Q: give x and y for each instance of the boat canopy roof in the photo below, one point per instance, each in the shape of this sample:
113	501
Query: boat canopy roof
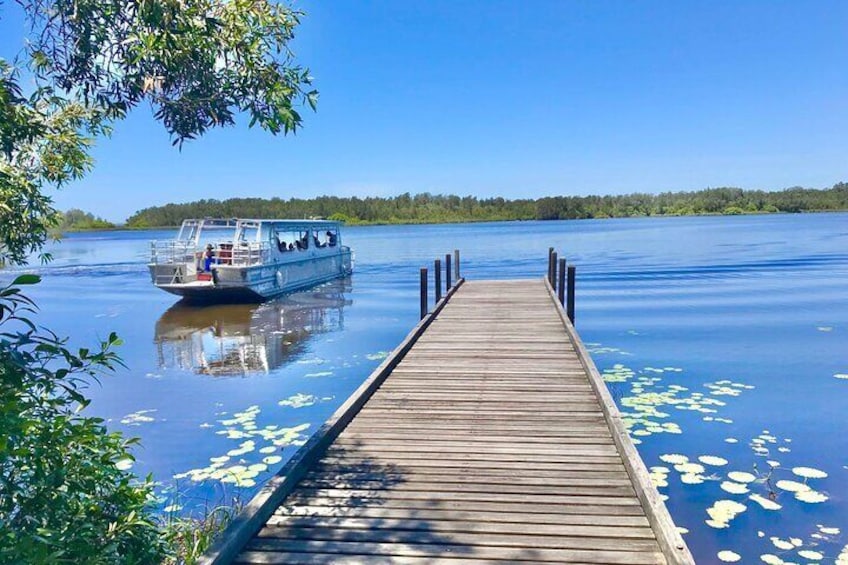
250	228
254	222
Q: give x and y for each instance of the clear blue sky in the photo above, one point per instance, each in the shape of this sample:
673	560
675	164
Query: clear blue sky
518	99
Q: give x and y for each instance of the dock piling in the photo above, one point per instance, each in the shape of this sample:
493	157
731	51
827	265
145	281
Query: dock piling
569	309
437	275
447	272
561	283
456	262
554	270
551	265
423	292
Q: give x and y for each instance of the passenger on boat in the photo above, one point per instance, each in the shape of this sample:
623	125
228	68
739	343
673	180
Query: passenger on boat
331	239
209	257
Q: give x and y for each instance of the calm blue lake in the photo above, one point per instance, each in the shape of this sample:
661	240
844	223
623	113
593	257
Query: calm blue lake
722	338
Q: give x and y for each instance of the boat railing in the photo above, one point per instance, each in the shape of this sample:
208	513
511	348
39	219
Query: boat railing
172	252
253	253
242	254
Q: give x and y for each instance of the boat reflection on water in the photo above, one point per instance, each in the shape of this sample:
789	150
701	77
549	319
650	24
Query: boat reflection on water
241	339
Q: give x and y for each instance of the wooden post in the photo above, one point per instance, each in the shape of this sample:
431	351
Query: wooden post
437	274
447	272
456	262
550	263
423	292
561	282
570	306
554	271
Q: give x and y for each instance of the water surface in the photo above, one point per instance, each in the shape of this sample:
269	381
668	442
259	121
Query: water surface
719	336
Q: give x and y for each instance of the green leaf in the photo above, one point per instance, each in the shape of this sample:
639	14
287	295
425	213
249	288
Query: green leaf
26	279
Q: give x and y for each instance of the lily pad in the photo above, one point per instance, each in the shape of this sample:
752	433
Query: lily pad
809	473
741	477
733	488
791	486
728	556
712	460
811	496
766	503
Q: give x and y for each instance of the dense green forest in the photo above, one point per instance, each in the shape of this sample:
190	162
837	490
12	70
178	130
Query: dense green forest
430	208
77	220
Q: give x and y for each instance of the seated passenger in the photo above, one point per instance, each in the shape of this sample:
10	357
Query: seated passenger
331	239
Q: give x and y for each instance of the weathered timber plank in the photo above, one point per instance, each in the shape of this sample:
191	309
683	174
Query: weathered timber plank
561	478
377	495
297	500
526	519
612	539
439	550
501	487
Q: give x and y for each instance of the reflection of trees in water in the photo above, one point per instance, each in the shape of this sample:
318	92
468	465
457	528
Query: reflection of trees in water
239	339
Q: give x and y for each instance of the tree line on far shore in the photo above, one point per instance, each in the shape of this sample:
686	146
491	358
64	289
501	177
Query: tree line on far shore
440	208
76	220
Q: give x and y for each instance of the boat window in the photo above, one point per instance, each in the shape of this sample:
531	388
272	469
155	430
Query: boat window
331	238
187	232
248	234
302	242
214	235
284	240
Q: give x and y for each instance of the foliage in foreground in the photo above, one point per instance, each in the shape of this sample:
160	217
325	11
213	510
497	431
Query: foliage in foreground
430	208
65	496
197	63
188	537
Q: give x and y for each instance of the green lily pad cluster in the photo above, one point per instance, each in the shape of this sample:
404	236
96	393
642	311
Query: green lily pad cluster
645	407
692	473
809	550
618	374
377	356
235	467
299	400
598	349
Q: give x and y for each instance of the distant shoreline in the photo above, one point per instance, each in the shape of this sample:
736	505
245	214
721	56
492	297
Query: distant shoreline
480	221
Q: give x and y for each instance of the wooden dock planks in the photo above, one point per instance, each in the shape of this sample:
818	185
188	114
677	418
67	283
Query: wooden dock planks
488	441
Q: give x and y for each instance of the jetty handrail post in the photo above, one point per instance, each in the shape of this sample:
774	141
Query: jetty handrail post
447	272
456	262
437	274
561	282
554	271
423	292
551	265
569	309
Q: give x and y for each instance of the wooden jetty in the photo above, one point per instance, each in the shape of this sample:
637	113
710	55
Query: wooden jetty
488	436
